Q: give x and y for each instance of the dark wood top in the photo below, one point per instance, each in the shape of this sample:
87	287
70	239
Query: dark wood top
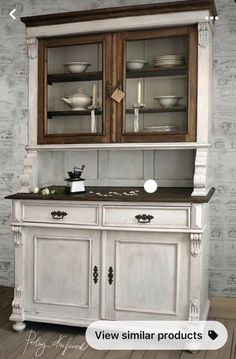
120	194
121	11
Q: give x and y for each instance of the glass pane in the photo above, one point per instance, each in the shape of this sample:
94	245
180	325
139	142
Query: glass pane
156	85
75	89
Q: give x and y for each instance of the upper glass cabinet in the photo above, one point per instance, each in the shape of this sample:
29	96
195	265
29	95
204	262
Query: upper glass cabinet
72	106
156	70
160	81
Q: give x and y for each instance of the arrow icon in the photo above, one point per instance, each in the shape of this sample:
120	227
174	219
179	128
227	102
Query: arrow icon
11	14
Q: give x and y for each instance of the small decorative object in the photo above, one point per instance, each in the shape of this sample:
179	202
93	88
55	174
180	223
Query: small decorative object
75	184
78	101
137	107
77	67
150	186
168	101
118	95
93	108
135	64
45	192
36	190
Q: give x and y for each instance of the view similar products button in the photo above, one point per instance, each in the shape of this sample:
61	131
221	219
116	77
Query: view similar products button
156	335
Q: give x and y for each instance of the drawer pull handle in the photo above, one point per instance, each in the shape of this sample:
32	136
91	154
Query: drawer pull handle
144	218
95	274
110	275
58	214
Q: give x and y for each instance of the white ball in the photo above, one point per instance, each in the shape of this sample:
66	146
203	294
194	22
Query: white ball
36	190
150	186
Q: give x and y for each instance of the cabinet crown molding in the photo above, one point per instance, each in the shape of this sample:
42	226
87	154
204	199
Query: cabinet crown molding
121	11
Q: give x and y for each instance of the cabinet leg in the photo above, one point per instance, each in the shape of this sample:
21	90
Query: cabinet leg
18	326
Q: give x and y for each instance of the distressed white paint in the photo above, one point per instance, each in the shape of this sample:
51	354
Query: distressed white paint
14	119
60	255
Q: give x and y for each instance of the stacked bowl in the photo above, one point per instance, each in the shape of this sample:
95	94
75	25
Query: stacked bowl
168	61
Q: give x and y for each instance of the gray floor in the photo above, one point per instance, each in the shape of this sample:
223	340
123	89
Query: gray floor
17	346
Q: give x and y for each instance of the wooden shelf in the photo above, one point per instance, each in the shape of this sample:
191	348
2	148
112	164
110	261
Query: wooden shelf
69	77
71	113
94	76
157	72
158	110
128	111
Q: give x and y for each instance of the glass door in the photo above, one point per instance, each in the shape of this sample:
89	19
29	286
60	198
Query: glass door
72	74
159	79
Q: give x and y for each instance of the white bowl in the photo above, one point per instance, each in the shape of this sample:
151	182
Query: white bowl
77	67
135	64
168	101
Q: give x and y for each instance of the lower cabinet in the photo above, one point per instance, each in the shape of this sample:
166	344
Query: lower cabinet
61	273
147	275
75	274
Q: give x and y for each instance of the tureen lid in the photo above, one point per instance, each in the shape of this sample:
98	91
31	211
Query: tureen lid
80	94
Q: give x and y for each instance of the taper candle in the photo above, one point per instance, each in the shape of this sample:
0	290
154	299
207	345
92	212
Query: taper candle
139	92
94	95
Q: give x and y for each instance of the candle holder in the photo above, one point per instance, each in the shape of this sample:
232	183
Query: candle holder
137	107
92	108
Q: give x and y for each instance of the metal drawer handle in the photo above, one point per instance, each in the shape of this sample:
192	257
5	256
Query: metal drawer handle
144	218
110	275
58	214
95	274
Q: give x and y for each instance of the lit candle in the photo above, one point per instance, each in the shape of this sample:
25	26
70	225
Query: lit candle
139	92
94	95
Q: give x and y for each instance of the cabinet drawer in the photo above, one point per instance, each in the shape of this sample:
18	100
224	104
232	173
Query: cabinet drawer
61	213
136	216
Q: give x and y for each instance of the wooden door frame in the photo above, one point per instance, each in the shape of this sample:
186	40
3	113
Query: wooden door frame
180	31
43	45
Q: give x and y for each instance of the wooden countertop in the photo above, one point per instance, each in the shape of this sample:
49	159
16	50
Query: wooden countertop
120	194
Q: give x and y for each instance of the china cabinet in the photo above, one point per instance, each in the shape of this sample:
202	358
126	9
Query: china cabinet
63	122
126	92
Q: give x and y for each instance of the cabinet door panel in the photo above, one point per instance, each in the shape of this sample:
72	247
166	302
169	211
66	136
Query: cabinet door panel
62	271
73	73
139	276
159	76
149	271
59	272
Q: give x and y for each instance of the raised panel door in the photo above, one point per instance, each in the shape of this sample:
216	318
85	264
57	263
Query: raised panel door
147	276
60	272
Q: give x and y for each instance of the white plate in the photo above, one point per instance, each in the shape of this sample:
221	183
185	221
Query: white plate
169	57
161	129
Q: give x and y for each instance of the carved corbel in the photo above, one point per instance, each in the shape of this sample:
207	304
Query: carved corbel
18	298
194	310
203	40
26	178
32	44
200	174
17	235
196	239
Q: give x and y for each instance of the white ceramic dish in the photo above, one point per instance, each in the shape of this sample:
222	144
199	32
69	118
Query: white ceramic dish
169	60
77	67
78	101
135	64
168	101
169	57
161	129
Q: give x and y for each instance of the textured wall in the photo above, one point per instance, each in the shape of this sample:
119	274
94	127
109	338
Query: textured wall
13	129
